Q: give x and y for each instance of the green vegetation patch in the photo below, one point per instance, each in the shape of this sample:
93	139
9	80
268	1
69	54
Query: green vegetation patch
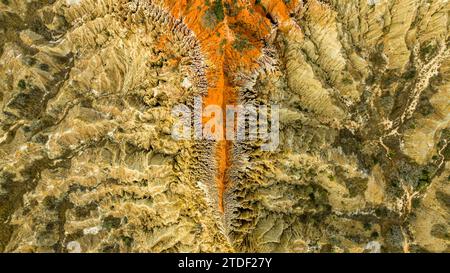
214	15
111	222
242	43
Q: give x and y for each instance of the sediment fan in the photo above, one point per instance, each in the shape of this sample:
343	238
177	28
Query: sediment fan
88	162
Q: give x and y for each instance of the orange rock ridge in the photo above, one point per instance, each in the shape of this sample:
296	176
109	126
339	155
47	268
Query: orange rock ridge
231	35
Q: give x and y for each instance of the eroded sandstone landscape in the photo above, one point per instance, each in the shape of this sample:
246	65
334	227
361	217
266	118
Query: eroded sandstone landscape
88	162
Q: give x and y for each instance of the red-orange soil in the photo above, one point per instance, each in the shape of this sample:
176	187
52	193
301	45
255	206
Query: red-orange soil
231	34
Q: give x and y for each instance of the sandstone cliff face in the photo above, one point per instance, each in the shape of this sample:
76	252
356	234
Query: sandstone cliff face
88	163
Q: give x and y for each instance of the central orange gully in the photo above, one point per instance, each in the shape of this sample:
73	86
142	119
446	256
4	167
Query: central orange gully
231	34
